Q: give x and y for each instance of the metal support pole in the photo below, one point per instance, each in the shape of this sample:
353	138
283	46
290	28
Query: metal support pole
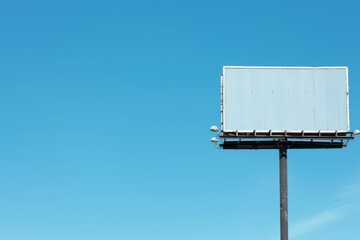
283	193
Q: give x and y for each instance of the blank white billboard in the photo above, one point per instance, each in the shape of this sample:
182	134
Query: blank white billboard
285	99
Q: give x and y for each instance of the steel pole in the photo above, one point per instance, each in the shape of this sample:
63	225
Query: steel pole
283	193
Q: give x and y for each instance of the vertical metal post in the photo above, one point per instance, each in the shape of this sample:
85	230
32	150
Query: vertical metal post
283	193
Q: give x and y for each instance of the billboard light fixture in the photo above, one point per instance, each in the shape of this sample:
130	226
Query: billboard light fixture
214	129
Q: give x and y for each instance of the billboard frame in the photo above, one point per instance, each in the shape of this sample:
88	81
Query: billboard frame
282	133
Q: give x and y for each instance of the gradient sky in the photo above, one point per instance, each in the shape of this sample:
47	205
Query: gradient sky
105	114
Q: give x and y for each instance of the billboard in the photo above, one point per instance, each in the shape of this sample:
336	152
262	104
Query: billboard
285	99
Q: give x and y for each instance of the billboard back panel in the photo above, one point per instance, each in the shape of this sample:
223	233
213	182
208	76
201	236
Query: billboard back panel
285	99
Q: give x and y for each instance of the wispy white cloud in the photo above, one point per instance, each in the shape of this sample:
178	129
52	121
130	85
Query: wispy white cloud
345	201
348	196
315	222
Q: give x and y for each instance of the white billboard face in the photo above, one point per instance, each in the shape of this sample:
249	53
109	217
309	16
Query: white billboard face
285	99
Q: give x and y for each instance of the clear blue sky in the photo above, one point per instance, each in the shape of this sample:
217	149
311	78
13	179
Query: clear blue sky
105	114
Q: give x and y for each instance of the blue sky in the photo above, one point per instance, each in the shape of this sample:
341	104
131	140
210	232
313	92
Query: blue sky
105	114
